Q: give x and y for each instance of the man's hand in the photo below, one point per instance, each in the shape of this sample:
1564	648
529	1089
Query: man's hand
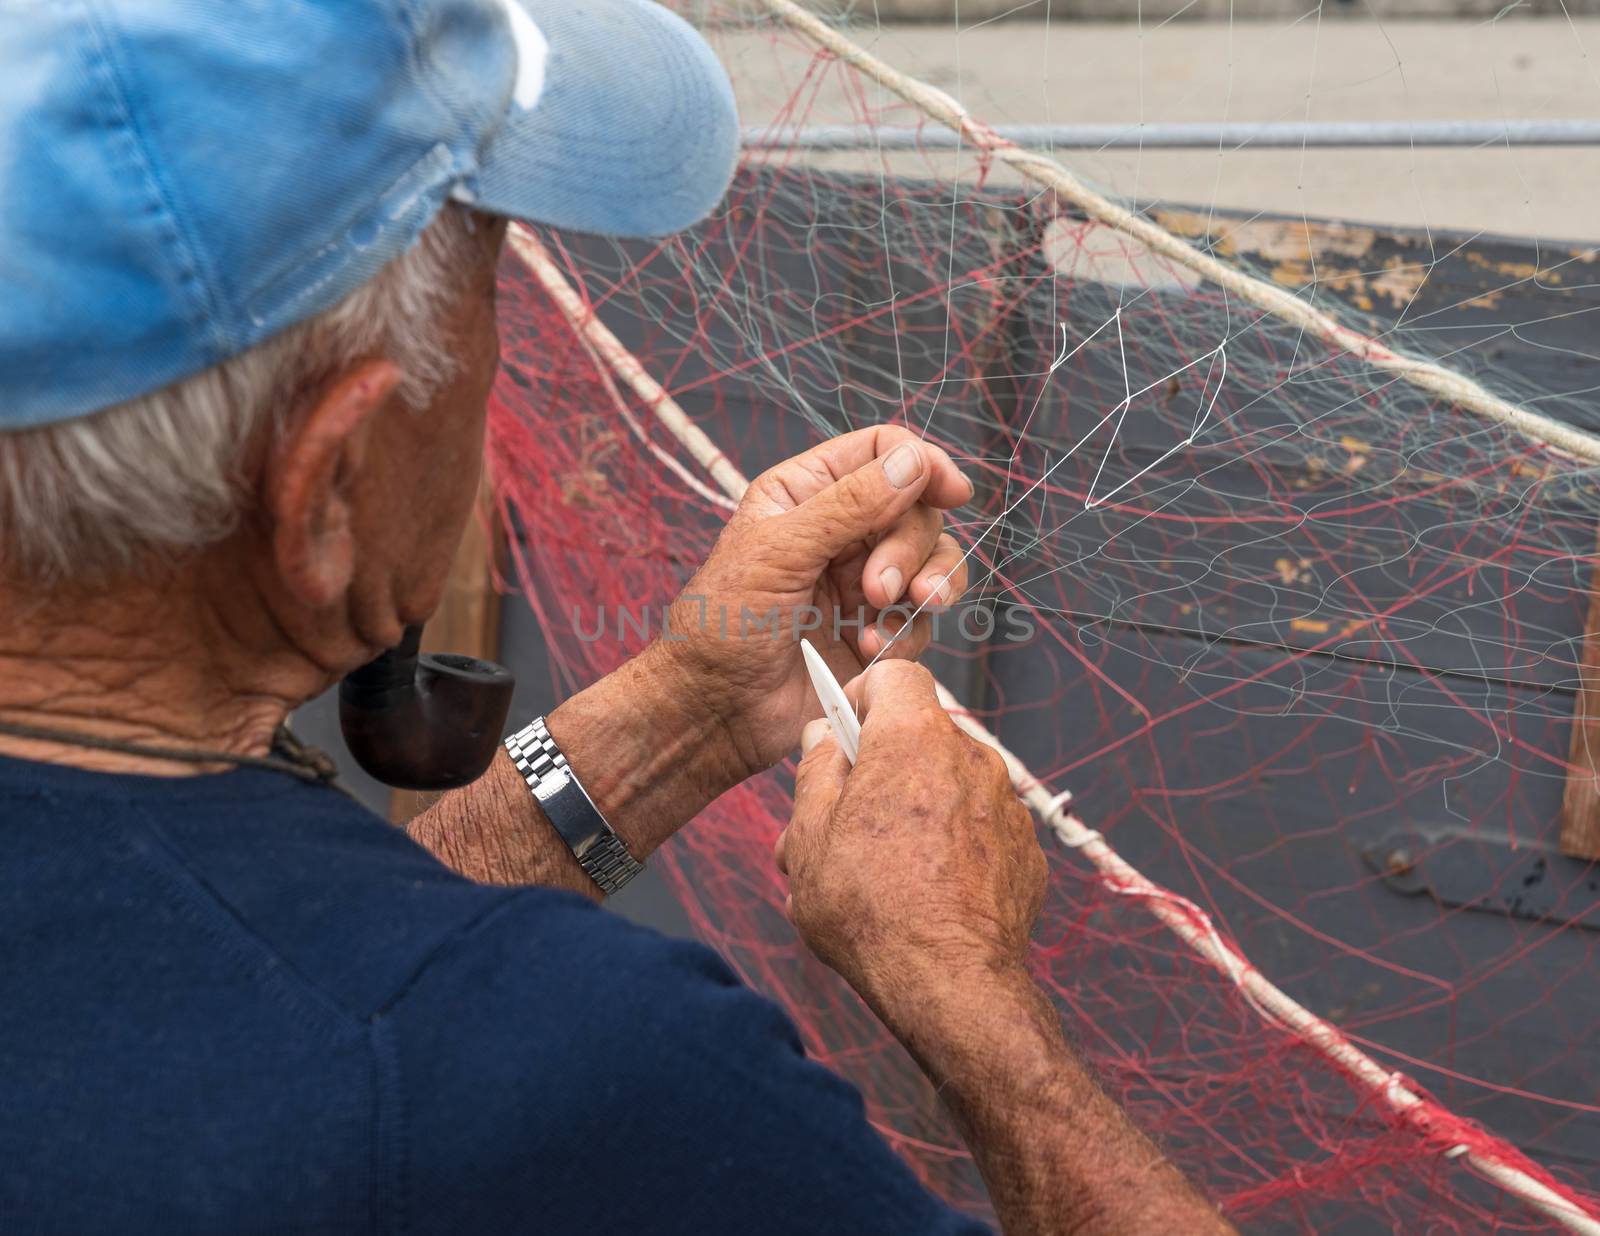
920	862
838	534
917	876
853	524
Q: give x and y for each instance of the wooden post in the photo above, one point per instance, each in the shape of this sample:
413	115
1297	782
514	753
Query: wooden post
468	619
1580	806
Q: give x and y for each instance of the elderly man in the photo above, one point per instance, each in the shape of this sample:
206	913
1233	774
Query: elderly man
247	331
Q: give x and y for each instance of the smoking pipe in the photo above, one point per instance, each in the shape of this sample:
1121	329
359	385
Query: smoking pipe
424	722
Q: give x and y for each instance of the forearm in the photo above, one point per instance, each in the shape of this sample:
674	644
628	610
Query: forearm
493	832
644	751
1057	1154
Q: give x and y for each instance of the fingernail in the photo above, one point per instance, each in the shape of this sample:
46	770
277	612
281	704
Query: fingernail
972	487
938	589
814	733
892	582
903	465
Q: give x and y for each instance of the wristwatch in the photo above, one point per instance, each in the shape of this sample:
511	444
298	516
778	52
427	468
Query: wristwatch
567	805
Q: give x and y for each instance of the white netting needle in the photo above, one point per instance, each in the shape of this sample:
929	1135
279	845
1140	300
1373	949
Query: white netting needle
835	706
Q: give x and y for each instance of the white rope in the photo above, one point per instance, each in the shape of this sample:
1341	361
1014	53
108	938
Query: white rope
1448	385
1181	916
610	357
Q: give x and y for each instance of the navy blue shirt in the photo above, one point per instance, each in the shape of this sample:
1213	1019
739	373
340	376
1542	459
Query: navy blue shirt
241	1004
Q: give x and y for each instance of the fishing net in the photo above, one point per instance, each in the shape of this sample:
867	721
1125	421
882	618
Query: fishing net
1301	637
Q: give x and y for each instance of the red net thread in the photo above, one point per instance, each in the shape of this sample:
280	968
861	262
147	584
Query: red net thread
1341	610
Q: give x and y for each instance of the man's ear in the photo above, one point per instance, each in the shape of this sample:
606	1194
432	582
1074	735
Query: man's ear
309	477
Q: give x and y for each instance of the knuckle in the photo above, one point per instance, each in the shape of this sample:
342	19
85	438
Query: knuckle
988	763
1038	882
857	502
798	850
814	760
770	489
901	674
927	522
797	833
823	905
1040	867
802	908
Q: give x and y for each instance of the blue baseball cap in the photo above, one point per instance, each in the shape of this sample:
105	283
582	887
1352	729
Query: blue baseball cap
182	179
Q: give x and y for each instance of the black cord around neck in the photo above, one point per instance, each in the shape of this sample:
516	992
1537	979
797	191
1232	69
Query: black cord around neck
289	754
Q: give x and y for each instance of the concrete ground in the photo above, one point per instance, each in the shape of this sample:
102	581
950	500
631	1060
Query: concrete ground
1349	70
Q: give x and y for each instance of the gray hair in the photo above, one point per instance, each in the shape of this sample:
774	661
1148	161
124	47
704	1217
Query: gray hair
166	472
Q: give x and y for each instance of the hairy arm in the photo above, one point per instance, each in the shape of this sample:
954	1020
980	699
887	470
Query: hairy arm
1057	1155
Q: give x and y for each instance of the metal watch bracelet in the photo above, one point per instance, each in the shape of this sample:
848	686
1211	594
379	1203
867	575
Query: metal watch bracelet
568	807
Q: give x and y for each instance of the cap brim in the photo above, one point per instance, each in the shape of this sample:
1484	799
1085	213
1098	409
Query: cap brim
634	132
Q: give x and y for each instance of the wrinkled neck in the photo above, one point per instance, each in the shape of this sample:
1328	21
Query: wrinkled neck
163	659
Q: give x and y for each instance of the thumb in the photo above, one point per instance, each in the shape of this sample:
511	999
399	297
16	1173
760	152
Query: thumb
867	500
